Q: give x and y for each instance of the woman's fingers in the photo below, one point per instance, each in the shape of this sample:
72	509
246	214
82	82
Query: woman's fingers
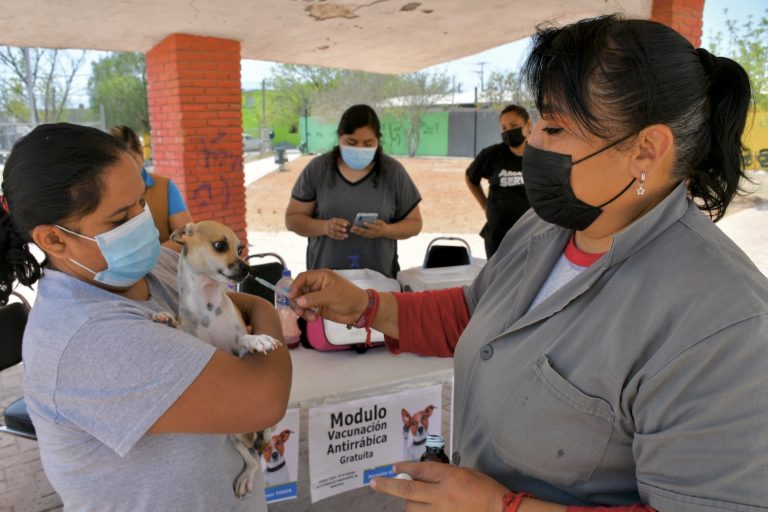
337	228
411	490
370	229
431	472
328	295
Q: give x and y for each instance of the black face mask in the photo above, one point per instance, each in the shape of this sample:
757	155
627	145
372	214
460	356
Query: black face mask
513	137
547	180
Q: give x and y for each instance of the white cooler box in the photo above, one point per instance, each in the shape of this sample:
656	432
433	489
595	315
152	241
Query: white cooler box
420	278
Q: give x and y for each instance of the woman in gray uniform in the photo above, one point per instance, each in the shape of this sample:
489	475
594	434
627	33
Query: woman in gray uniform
613	353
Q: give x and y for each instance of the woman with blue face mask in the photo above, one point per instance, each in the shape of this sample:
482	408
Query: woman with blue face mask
355	177
169	211
612	354
130	414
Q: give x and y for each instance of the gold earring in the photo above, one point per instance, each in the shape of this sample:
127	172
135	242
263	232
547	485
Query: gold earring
641	188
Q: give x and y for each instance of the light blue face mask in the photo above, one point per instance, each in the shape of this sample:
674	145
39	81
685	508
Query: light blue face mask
130	250
357	158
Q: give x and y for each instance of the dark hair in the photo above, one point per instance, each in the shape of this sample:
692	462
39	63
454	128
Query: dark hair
130	139
52	174
617	76
358	116
518	110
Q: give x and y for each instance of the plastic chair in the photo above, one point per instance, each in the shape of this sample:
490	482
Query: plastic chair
13	320
447	255
270	272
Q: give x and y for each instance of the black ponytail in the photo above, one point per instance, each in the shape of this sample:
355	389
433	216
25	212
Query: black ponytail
52	174
715	178
16	260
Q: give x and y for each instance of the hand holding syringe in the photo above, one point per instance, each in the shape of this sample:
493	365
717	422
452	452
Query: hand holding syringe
280	291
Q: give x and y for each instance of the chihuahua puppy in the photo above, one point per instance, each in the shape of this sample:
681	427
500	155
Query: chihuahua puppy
210	259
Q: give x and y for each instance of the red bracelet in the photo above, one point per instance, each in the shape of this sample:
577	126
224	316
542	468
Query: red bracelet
513	499
366	318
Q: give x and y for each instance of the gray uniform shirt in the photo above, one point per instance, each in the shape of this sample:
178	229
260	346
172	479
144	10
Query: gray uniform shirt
643	378
393	198
98	374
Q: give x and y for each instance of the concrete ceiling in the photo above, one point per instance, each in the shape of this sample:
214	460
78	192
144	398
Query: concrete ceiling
385	36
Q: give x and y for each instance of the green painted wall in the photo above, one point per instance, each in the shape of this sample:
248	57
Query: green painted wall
433	140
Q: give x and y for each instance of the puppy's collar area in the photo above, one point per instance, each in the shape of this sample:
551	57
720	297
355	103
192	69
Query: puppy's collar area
276	468
419	443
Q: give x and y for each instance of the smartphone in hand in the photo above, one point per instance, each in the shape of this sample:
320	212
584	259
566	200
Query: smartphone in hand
362	217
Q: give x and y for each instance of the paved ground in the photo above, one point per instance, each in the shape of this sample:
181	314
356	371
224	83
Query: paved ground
447	208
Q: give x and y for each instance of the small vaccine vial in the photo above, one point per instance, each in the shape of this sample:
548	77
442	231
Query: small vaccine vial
403	476
435	451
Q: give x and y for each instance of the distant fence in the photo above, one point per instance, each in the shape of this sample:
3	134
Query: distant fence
465	132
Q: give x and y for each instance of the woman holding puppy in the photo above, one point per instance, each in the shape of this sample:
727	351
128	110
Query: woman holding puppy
355	177
130	414
612	354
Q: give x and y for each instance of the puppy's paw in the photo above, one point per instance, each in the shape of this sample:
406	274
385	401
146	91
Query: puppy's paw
166	318
257	343
243	484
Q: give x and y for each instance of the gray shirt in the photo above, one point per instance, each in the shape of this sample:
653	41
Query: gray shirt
643	378
388	192
98	374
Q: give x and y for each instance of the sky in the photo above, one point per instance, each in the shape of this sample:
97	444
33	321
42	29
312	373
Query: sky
467	70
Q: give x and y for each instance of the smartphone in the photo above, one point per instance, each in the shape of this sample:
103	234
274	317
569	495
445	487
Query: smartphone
364	217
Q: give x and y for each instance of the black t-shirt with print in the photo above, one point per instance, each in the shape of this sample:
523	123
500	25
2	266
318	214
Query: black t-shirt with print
507	200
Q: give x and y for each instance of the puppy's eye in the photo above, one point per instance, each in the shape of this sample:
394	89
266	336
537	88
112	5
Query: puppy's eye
240	250
221	246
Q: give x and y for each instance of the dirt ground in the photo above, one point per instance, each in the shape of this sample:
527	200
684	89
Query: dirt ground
446	206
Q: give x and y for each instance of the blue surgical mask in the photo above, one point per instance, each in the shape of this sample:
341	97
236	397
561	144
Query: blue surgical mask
357	158
130	250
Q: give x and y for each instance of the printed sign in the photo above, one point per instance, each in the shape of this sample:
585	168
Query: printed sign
280	461
352	442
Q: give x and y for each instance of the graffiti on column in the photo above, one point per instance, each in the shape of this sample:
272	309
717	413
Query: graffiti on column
217	162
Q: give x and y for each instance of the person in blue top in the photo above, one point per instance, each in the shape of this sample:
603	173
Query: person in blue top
163	197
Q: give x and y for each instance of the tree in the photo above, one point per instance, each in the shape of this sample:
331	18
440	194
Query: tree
118	82
747	44
298	85
36	82
412	95
504	88
332	91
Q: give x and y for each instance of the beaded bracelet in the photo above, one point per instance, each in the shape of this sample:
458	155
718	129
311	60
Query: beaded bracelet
366	318
513	499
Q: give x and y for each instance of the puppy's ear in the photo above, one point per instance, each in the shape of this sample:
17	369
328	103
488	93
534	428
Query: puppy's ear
285	434
179	236
428	410
406	417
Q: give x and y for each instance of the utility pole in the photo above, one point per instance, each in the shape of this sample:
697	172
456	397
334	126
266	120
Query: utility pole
30	89
474	140
263	123
482	68
305	105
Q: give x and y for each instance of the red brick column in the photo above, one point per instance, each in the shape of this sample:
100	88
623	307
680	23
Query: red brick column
685	16
196	119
